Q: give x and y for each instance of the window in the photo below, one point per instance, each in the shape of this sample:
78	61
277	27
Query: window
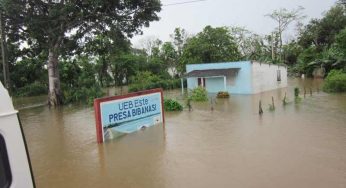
5	171
201	82
278	75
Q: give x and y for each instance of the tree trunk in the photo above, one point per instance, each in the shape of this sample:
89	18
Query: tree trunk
280	55
54	94
4	52
273	54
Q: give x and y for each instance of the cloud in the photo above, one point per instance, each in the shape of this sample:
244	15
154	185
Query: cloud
193	17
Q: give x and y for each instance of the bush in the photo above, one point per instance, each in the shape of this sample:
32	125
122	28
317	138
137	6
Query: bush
82	94
222	94
147	80
296	92
199	94
172	105
33	89
335	81
134	87
78	82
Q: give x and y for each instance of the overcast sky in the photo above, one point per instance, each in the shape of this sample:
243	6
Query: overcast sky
193	17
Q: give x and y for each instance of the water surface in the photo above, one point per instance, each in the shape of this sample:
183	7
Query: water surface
297	145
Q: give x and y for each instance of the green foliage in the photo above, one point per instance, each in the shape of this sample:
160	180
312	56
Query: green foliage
292	51
172	105
48	24
188	103
338	51
65	16
296	92
320	43
284	18
335	81
124	66
83	94
321	32
111	51
307	56
251	46
33	89
169	54
297	99
142	81
210	45
340	41
179	39
147	80
222	94
199	94
79	83
27	71
271	107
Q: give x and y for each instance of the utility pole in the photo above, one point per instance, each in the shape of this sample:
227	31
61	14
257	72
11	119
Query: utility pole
273	55
3	55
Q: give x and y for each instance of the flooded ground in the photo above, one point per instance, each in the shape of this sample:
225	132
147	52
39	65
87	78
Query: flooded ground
299	145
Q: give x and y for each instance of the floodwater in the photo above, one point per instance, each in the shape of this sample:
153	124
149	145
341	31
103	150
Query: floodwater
297	145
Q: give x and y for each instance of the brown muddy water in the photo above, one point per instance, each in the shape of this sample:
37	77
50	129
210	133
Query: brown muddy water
299	145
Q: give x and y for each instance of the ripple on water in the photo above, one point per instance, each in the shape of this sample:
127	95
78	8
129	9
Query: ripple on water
299	145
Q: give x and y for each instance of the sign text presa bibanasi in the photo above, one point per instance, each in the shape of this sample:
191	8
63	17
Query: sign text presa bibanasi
128	113
129	109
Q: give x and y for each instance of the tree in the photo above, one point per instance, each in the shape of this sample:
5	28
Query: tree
322	41
291	52
179	37
53	24
210	45
124	66
335	56
169	56
149	44
251	46
9	48
104	47
100	47
321	32
78	80
284	17
342	2
4	53
340	42
27	71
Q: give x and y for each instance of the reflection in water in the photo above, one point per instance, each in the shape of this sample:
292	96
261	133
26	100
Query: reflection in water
299	145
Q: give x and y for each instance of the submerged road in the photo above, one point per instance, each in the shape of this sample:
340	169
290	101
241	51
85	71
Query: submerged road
297	145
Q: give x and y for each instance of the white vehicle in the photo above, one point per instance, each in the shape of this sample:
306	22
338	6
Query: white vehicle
15	167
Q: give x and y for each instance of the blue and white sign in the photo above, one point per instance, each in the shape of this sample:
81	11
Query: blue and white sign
129	114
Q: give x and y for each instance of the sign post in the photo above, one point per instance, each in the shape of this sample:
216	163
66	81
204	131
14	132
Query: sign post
127	113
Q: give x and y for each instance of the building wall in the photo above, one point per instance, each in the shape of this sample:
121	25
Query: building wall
264	77
214	84
192	83
239	84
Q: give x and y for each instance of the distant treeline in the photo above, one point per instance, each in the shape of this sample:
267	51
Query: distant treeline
107	58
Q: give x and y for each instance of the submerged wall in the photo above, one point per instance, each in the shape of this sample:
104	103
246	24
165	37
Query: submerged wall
252	77
214	84
240	84
265	77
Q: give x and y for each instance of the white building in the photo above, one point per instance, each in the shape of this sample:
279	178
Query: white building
245	77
